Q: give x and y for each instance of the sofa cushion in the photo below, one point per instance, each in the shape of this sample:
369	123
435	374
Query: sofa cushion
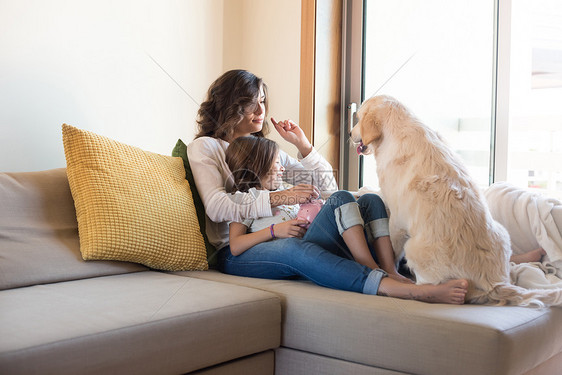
39	233
296	362
139	323
132	205
410	336
258	364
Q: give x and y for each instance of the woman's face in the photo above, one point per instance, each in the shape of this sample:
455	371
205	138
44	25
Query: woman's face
274	177
253	118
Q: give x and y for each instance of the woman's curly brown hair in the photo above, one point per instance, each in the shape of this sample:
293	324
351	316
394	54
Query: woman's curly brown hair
228	99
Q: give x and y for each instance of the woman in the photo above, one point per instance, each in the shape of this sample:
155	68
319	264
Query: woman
236	106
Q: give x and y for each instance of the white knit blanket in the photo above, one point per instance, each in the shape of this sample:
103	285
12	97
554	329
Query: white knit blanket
527	216
535	275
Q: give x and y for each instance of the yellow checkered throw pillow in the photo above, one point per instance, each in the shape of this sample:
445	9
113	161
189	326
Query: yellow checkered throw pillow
132	205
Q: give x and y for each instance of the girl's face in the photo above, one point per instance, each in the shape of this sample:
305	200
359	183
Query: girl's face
253	118
274	177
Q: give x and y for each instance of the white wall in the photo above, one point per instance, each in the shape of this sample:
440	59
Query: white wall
87	63
263	36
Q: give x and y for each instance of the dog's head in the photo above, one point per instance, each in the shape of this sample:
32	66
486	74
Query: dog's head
372	116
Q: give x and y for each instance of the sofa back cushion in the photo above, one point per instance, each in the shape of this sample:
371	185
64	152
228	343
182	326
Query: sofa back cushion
39	233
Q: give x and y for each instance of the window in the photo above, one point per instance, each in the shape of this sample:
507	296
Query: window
535	96
485	74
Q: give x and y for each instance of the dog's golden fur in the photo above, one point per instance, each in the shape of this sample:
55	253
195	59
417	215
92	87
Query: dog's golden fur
431	197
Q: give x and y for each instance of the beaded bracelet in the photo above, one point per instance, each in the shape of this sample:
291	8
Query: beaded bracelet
272	231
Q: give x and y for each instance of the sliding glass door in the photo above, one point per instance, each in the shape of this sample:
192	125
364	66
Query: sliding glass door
476	71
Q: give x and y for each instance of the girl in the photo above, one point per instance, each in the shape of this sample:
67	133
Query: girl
236	106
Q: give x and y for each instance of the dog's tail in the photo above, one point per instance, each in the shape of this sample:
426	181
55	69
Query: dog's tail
508	294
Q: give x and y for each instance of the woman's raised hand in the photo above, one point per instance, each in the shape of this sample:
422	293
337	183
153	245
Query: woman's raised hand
293	134
298	194
291	228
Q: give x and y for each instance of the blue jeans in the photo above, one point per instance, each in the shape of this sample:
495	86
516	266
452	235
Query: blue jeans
294	258
340	212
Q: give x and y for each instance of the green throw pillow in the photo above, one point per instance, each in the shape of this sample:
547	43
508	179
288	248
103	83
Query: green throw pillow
180	149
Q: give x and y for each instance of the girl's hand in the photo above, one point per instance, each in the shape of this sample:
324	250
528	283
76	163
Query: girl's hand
298	194
291	228
293	134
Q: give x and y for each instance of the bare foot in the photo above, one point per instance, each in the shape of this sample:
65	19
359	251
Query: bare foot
452	291
530	256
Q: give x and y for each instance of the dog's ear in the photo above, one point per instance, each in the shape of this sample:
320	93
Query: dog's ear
371	128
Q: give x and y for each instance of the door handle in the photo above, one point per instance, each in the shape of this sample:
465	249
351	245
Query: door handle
351	111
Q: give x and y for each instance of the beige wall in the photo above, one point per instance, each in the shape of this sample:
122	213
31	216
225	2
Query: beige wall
263	36
87	63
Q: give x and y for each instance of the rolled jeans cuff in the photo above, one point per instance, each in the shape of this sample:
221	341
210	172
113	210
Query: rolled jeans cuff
348	215
377	228
374	281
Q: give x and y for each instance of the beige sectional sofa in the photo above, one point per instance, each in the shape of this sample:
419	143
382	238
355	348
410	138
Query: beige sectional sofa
60	314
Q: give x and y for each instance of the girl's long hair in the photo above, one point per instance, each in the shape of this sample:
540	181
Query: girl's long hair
250	160
228	99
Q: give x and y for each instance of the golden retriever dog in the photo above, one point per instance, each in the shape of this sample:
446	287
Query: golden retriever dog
450	233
